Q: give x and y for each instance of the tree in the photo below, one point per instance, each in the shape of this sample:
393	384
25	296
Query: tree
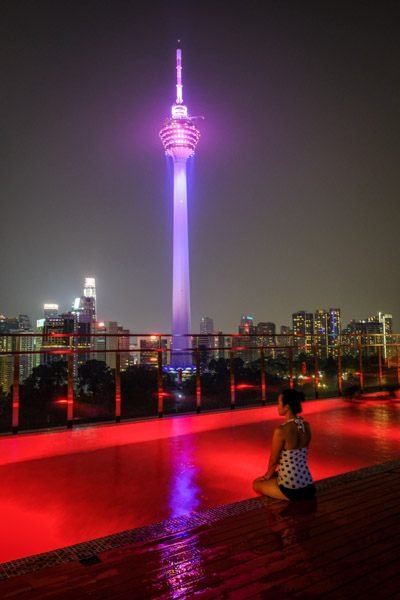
139	391
45	383
96	382
5	409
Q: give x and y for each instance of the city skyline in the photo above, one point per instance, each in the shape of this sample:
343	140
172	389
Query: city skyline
295	196
203	326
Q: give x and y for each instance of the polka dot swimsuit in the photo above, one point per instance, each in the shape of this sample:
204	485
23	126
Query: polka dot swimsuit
293	468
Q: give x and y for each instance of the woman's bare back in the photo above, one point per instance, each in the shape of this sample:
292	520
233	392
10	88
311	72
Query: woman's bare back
295	437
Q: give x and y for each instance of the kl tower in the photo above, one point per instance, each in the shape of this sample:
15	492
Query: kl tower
179	136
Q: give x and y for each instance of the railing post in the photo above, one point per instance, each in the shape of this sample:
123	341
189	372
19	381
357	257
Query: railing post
361	367
118	385
291	367
70	384
160	380
198	378
232	378
263	378
316	376
15	394
339	372
380	373
398	364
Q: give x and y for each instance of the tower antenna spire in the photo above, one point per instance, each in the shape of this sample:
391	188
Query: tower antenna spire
179	86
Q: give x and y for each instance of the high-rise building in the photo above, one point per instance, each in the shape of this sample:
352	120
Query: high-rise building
179	136
387	329
111	338
50	310
321	332
7	344
28	344
222	345
16	334
334	324
149	346
303	325
84	308
206	341
266	332
246	329
111	343
124	347
24	323
89	292
100	341
52	343
327	330
285	339
246	325
370	333
206	325
27	361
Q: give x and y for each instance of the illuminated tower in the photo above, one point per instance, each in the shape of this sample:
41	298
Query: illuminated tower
179	136
89	291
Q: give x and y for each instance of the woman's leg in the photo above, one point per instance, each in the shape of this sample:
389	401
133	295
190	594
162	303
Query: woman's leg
268	487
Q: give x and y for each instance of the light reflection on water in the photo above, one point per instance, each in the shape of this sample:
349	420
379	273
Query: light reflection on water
183	491
181	564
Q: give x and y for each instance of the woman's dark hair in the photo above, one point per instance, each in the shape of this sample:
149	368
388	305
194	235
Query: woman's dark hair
293	398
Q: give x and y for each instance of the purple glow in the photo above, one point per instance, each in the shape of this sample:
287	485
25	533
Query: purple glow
179	136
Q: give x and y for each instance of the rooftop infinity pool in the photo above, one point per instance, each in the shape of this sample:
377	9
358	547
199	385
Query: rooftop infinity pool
64	487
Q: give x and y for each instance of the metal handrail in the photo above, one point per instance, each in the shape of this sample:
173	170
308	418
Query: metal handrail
354	342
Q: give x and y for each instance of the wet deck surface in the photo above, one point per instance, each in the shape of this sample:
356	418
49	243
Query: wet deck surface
346	545
63	488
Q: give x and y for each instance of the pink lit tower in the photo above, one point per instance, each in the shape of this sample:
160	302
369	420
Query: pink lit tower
179	136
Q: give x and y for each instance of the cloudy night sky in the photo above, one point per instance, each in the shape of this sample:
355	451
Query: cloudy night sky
294	190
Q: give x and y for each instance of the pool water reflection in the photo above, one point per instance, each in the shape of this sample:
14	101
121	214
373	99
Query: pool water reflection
61	488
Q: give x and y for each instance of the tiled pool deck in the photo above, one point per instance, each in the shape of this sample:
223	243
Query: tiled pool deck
343	546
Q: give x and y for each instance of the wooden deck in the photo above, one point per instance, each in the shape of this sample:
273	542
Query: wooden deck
346	545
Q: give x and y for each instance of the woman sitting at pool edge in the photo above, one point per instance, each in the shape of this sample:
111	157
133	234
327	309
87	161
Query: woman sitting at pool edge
288	476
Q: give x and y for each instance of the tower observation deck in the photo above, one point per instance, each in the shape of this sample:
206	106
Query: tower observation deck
179	136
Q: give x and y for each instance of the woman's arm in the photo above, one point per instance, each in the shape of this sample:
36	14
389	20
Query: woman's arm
308	430
276	449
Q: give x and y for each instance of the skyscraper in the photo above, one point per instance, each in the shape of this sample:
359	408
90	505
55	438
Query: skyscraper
285	338
387	328
179	136
50	310
206	341
84	308
206	325
327	329
52	344
266	337
334	330
246	328
303	325
321	339
89	293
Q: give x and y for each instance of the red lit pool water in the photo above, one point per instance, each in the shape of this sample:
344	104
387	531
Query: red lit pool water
61	488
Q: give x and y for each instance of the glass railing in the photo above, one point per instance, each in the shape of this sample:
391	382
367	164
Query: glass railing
57	381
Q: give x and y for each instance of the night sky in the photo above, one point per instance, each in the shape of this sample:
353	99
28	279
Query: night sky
294	190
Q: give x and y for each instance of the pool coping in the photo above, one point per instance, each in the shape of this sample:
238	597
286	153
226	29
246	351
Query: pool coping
90	549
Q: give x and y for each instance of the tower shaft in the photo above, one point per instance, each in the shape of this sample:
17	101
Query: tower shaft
181	322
